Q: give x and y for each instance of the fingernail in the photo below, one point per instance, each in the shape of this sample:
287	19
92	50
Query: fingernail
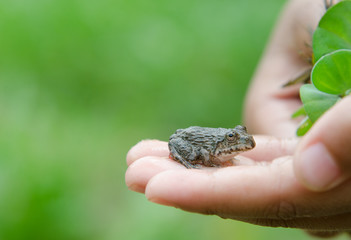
318	169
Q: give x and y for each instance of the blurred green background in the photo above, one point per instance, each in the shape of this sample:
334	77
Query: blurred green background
81	81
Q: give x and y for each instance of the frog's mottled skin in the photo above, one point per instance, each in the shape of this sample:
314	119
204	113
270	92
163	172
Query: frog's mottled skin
211	147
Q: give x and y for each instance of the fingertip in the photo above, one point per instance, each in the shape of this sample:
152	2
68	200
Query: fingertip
171	188
316	168
141	171
131	154
133	180
321	161
147	148
160	185
154	190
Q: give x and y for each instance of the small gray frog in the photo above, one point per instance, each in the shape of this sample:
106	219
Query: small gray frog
211	147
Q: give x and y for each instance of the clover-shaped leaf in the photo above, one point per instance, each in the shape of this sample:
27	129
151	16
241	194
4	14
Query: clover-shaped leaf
332	73
333	31
315	102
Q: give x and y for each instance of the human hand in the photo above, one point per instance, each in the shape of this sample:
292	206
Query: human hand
322	158
282	182
261	190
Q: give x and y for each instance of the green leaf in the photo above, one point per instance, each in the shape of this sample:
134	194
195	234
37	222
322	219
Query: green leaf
304	126
332	72
333	31
299	112
316	102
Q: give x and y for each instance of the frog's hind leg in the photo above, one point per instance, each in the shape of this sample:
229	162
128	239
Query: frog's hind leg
175	156
174	145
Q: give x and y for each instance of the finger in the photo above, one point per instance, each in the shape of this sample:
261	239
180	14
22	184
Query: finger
257	192
323	159
269	148
141	171
147	148
233	190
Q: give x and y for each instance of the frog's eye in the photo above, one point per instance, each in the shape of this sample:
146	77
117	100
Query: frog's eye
231	136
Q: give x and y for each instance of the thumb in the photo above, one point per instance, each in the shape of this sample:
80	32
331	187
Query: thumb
323	158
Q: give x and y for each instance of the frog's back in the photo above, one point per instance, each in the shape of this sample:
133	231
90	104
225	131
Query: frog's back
206	137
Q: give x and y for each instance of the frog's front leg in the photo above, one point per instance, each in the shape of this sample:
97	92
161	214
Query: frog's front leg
206	158
182	153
